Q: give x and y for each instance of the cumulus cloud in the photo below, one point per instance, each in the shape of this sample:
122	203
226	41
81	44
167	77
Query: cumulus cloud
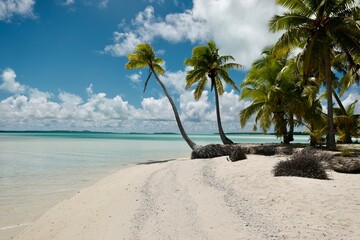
69	99
9	83
230	106
146	27
135	78
351	98
11	8
192	110
175	80
31	108
155	109
239	27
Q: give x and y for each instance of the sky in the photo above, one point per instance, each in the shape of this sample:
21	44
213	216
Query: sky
62	62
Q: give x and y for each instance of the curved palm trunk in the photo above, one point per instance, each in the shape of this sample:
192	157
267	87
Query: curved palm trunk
330	139
224	139
346	130
191	144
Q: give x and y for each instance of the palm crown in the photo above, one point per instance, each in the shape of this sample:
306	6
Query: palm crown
144	56
320	27
207	63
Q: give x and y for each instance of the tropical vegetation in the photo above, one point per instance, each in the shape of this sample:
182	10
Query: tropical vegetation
144	56
319	28
208	64
285	88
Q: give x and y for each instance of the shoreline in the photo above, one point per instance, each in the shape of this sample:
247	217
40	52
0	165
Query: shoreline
205	199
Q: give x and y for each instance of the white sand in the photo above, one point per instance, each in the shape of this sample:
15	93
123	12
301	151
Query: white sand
206	199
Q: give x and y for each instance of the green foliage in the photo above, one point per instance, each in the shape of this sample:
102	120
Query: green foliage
346	153
208	64
319	28
274	86
347	121
144	56
301	165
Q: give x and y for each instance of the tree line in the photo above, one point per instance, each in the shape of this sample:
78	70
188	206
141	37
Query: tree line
285	88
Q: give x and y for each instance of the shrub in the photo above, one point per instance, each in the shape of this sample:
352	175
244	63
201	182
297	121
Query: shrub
237	154
346	153
301	165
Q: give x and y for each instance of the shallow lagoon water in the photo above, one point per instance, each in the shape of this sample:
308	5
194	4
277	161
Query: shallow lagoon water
37	170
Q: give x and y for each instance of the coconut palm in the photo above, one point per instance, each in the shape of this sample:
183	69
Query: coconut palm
208	64
350	74
270	84
347	122
144	56
319	27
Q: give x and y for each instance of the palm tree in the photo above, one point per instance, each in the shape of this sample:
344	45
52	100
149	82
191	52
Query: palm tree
319	27
350	74
347	123
271	86
144	56
207	63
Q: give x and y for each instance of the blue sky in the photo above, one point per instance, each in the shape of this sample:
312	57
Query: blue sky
62	62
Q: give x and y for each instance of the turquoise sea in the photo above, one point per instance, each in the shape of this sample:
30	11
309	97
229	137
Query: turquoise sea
39	169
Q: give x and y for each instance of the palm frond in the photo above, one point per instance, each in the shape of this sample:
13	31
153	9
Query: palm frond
298	6
247	112
200	88
289	20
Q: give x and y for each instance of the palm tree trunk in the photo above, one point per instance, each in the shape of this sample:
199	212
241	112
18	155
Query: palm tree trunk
346	130
191	144
313	140
330	139
291	128
224	139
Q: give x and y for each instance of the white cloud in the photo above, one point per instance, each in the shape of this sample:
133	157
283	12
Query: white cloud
68	2
175	81
192	110
155	109
146	27
11	8
230	106
36	93
69	99
34	109
135	78
123	44
9	83
350	98
89	89
239	27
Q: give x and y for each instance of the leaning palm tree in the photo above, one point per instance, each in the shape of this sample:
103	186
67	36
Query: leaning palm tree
144	56
208	64
319	27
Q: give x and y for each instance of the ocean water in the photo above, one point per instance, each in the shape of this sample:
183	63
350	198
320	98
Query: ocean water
38	170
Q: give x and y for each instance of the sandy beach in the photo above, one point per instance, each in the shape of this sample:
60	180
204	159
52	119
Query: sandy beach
206	199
